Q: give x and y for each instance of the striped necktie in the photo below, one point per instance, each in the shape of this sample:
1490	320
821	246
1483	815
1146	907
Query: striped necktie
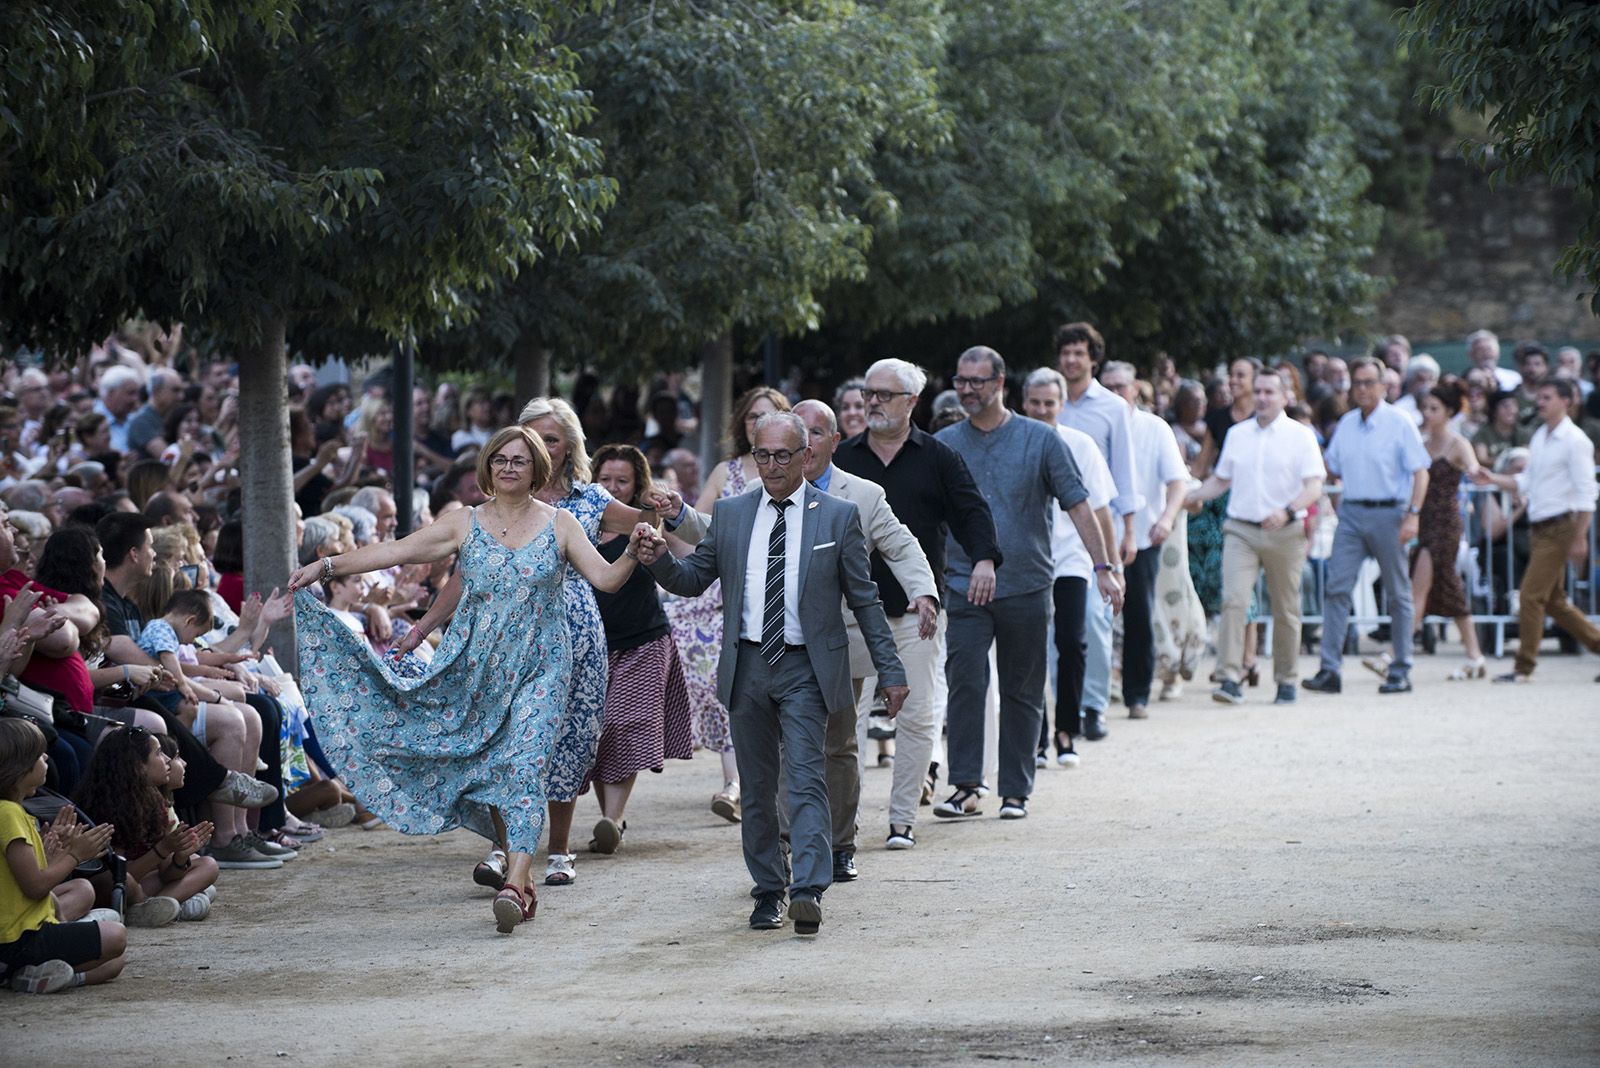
772	614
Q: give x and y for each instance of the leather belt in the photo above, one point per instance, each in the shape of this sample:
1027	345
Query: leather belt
786	646
1387	503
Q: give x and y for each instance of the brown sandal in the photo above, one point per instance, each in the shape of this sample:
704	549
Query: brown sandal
511	907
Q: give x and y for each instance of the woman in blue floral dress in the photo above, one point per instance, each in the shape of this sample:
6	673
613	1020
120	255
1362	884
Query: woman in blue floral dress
568	488
422	761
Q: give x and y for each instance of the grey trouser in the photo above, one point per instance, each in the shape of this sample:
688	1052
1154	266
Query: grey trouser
1018	626
1365	532
781	708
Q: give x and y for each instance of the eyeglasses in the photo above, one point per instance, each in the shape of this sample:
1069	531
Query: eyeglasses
516	463
967	382
884	396
781	457
1363	382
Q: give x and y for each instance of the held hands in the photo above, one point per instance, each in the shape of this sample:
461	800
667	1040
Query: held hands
1160	531
667	503
927	617
980	588
646	545
1110	589
893	698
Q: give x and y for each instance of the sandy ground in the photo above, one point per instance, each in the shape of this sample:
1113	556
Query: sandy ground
1405	880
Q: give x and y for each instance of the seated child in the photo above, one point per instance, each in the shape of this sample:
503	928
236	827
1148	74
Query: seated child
123	785
38	953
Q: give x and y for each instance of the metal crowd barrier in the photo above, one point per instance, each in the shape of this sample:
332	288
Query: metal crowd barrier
1487	562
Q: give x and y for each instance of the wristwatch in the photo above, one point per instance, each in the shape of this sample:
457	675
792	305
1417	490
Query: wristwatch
1292	514
1113	568
1413	511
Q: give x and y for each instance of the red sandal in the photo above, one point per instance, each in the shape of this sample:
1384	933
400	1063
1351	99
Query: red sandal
512	908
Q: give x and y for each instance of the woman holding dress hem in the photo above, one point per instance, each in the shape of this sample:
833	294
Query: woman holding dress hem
431	765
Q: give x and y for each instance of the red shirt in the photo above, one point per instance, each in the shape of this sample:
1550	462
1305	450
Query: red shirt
230	586
66	675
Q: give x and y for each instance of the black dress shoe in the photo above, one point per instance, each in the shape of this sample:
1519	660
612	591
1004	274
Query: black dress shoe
844	866
768	913
1324	681
1396	684
1094	725
806	912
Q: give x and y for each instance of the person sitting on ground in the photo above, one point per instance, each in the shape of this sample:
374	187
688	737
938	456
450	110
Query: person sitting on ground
122	788
38	953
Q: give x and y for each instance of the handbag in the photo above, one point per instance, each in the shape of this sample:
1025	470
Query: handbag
35	706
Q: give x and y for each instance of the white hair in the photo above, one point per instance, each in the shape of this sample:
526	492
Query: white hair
796	425
318	531
34	524
370	497
1485	336
118	376
1119	365
363	524
912	378
1045	376
1419	364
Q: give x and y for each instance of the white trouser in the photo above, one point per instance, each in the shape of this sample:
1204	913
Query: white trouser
917	726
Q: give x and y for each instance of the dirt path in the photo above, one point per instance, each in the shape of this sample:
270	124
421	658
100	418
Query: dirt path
1411	880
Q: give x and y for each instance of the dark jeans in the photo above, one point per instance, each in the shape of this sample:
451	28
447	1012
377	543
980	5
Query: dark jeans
1016	627
1138	634
1072	653
273	816
69	755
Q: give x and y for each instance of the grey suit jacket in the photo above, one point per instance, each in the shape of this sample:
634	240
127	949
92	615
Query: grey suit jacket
694	526
833	564
889	538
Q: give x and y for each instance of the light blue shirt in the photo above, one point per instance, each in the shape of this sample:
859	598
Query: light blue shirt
824	480
119	428
1106	418
1375	456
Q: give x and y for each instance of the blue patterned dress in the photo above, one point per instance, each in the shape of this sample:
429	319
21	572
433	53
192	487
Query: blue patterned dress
475	730
585	713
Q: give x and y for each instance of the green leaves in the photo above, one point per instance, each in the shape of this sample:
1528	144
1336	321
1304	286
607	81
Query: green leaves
1531	71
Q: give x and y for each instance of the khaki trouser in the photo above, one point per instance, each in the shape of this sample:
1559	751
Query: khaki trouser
1543	591
1247	551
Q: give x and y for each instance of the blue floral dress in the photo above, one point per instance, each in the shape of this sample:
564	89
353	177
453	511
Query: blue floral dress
474	731
579	739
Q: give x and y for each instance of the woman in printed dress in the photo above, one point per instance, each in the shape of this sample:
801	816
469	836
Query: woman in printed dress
423	759
568	488
697	622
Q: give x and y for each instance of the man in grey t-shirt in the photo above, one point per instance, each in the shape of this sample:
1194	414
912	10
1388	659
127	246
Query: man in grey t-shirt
1024	472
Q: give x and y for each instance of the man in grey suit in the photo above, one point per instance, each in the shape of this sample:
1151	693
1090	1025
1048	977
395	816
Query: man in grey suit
786	553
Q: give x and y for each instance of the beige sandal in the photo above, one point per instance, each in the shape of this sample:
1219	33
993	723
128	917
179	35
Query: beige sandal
1475	668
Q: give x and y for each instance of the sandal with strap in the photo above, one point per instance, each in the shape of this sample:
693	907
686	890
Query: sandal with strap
511	907
962	803
560	872
1475	668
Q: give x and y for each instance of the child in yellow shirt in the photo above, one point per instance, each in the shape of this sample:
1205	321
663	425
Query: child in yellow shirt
39	954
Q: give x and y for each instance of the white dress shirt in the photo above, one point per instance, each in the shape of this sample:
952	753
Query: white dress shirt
755	567
1066	545
1266	466
1156	461
1506	378
1560	473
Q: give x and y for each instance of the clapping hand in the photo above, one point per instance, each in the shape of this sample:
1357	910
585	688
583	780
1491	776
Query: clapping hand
84	843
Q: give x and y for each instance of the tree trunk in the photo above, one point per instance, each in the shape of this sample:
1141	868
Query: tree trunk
266	476
716	398
532	363
405	441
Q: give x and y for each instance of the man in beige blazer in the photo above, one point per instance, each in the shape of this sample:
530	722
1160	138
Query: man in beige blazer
900	550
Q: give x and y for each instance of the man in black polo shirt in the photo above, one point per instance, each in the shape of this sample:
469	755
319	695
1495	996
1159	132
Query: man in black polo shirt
931	491
125	544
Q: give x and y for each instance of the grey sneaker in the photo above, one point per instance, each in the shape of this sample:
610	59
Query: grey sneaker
269	849
238	854
48	978
341	815
1228	693
196	908
211	892
153	912
103	916
244	792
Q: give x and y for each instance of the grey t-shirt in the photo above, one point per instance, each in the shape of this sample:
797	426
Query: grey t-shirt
1024	470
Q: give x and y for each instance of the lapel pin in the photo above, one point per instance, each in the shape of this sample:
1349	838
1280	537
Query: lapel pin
813	504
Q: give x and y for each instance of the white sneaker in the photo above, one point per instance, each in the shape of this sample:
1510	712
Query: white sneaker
48	978
153	912
197	907
103	916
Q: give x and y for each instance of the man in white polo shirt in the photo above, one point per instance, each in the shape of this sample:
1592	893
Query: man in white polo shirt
1274	468
1559	484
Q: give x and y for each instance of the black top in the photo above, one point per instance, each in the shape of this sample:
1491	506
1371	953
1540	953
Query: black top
317	487
122	615
930	490
1219	421
633	615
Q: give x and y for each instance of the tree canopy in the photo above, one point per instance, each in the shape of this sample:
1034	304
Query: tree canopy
1532	71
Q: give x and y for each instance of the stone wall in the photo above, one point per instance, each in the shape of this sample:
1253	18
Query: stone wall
1495	271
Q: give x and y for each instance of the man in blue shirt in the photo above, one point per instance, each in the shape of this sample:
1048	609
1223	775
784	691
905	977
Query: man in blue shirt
1382	465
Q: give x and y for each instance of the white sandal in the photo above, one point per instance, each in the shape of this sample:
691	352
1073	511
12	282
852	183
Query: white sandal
1475	668
560	872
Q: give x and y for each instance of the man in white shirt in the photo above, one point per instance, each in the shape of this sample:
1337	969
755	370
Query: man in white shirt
1483	350
1274	468
1163	483
1043	392
1559	485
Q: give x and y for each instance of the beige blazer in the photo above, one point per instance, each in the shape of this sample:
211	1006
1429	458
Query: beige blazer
889	538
